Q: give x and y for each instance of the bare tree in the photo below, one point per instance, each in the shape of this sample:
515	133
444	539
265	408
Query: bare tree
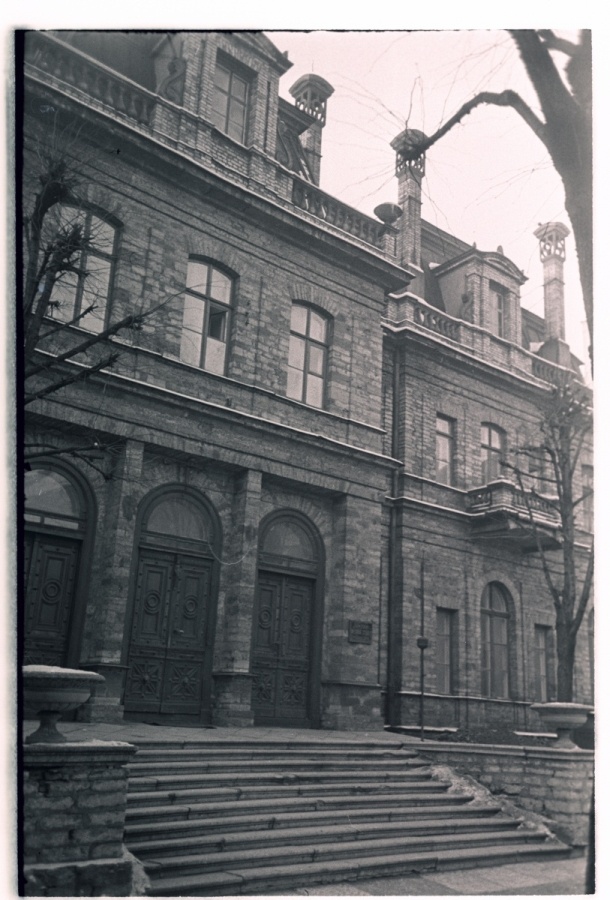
565	130
565	429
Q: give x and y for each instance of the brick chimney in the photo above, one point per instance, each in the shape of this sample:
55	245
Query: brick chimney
410	170
552	237
310	94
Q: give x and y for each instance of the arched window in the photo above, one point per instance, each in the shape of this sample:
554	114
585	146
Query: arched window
206	317
178	518
307	355
492	452
495	617
81	296
52	500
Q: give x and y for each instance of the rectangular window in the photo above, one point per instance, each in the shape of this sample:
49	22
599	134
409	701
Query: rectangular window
543	655
445	449
499	311
230	102
492	453
446	651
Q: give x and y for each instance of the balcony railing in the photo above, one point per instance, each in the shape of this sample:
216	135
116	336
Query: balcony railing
431	318
322	206
504	512
74	68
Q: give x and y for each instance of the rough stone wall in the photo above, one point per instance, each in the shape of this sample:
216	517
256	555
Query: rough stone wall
74	800
556	784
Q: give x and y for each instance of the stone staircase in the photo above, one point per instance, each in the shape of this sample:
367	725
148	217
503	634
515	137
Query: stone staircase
234	817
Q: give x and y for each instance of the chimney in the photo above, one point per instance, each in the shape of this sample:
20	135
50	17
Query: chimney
552	237
410	170
310	94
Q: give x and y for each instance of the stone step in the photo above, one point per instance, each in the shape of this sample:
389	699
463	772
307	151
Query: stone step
163	753
165	865
264	879
195	792
240	840
262	766
270	746
277	805
141	827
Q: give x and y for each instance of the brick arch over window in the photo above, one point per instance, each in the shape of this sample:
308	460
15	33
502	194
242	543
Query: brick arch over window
498	642
326	302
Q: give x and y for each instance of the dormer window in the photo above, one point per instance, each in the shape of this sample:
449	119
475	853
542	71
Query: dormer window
230	101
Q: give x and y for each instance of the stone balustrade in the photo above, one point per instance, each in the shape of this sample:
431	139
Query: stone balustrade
72	67
503	495
413	313
314	201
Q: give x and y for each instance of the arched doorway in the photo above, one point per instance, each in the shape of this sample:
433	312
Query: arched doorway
58	529
287	629
169	656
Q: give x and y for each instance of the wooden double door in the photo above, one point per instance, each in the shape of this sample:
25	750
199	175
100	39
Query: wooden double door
283	666
170	651
51	571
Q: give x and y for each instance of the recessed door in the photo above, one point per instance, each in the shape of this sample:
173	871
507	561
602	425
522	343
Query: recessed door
281	661
50	577
169	662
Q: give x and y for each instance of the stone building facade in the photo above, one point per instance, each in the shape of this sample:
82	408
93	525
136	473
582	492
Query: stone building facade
233	521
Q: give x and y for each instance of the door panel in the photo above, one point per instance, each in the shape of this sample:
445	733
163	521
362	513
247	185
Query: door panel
281	664
169	655
51	569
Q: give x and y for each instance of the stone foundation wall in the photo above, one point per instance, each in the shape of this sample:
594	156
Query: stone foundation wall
556	784
74	800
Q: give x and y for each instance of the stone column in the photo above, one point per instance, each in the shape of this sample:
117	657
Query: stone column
115	547
232	678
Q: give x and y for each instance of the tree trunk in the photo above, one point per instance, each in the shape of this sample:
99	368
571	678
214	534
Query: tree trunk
566	646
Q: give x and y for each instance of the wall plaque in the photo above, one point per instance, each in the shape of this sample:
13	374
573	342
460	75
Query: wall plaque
360	632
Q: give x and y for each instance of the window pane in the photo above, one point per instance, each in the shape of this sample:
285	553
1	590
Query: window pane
217	325
192	327
287	538
95	293
197	277
102	235
215	352
239	88
298	319
63	297
51	492
296	352
178	517
316	360
317	327
294	388
222	78
220	286
237	121
496	439
315	391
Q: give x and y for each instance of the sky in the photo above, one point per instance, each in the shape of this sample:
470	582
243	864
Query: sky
490	180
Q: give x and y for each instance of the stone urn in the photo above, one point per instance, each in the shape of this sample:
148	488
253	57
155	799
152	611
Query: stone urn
51	691
563	718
